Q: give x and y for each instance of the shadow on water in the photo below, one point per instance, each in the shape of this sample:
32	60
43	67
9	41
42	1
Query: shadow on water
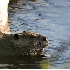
23	62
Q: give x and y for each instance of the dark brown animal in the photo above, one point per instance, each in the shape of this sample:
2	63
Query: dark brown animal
25	43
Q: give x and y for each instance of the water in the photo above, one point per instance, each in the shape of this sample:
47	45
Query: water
50	18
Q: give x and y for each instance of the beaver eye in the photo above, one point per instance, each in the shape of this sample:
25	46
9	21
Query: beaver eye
16	36
44	38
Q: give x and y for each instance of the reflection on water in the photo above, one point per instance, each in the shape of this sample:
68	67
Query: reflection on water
23	62
47	17
44	64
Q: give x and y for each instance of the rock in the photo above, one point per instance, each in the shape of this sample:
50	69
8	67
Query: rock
25	43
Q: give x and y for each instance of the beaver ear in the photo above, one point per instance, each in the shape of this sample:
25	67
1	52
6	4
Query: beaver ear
16	37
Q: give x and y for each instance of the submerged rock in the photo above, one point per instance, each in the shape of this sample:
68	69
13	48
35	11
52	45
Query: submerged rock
25	43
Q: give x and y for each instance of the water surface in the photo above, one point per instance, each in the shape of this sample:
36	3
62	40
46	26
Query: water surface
50	18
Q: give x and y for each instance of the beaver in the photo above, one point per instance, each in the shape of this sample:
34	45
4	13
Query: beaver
25	43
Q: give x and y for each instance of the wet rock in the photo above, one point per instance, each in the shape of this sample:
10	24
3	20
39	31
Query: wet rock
25	43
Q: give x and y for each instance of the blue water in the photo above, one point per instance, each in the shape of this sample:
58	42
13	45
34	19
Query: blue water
50	18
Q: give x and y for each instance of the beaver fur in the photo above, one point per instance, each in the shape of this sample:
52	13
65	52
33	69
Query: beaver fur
25	43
